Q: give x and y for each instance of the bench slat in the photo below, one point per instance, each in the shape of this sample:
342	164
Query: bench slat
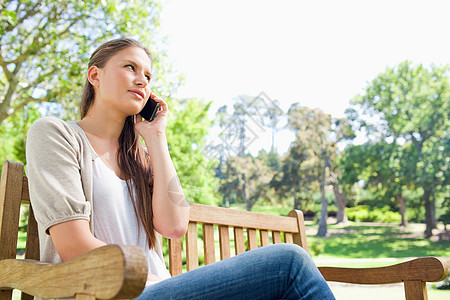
208	240
239	240
276	236
252	241
264	236
191	247
288	238
237	218
176	265
224	242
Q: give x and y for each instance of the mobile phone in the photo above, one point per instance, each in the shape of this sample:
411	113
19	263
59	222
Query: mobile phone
150	109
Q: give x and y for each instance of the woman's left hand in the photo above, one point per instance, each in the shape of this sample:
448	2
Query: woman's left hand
157	127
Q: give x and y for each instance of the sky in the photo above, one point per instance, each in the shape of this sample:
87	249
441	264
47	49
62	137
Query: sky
318	53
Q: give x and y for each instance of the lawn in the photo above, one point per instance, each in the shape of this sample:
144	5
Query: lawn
363	240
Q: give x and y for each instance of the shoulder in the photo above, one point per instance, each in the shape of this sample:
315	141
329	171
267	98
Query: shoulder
47	127
48	123
51	131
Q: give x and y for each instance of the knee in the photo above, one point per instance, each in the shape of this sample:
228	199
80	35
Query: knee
292	251
295	256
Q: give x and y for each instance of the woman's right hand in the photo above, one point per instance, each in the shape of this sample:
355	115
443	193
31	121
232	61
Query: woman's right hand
157	127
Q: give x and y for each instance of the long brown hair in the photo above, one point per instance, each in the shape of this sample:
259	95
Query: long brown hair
133	162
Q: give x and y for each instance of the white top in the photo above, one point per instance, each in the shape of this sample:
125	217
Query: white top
115	221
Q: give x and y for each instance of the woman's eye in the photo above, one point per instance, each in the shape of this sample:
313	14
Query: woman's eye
148	77
131	67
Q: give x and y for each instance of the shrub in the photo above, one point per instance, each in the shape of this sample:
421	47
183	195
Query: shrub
316	247
443	285
363	213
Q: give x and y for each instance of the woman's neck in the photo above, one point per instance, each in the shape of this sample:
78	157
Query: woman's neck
102	125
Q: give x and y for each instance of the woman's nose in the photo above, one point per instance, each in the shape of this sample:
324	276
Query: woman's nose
141	80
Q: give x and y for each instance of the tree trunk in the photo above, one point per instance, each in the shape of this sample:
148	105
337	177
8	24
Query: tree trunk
401	203
324	211
433	212
341	202
297	200
245	194
428	213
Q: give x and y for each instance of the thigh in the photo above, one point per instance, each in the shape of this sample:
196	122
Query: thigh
263	273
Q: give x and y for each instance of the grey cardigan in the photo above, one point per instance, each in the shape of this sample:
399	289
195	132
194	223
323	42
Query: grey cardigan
59	171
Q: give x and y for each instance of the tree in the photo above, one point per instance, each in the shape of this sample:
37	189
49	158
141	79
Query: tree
319	135
273	114
341	131
296	178
13	133
312	127
384	168
45	46
186	134
247	178
411	104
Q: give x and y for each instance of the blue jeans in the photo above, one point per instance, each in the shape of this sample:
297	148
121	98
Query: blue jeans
280	271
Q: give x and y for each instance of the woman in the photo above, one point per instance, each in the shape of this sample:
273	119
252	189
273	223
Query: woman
94	183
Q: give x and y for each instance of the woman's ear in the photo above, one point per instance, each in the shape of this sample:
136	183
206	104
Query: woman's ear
93	76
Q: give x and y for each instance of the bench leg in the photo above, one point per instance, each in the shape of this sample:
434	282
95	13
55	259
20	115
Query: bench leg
416	290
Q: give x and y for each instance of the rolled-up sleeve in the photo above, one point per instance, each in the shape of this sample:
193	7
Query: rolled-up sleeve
53	171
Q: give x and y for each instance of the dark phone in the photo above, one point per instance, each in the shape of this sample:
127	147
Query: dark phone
150	109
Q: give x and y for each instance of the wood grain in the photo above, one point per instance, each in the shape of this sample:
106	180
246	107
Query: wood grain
224	242
175	261
427	269
252	239
209	244
238	218
191	247
32	242
288	238
264	237
239	240
415	290
300	235
107	272
276	237
10	199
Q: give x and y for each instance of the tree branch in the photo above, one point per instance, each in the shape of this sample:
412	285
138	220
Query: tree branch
30	11
35	45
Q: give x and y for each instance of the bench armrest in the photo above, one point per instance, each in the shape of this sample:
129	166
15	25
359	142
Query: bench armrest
426	269
108	272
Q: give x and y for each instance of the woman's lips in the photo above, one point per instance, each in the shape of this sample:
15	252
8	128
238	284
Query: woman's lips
137	93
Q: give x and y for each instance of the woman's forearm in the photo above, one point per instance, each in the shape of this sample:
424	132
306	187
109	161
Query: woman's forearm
170	208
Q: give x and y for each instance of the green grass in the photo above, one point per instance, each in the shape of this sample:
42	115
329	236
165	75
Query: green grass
377	241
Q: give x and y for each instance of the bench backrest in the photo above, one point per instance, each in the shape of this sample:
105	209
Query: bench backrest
246	230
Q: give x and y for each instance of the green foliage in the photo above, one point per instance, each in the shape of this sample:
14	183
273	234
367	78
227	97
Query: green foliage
186	134
406	117
364	213
316	247
443	285
13	132
247	178
445	217
46	46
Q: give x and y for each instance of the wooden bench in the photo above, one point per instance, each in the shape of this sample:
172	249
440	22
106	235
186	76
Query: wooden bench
120	271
